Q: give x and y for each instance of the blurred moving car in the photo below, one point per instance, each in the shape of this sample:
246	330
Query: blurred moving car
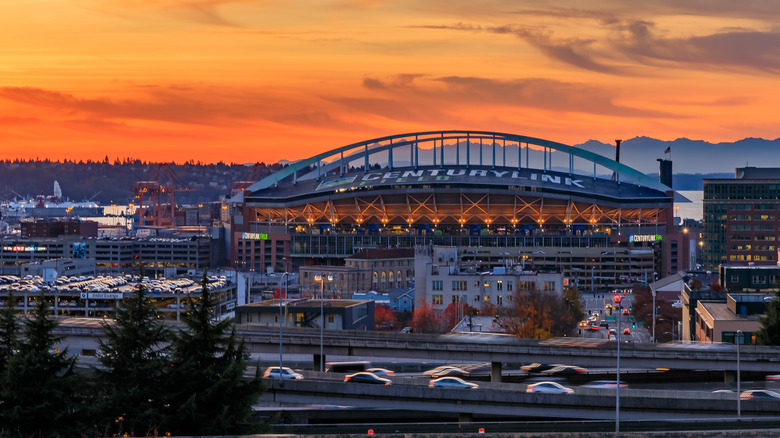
584	323
548	388
626	331
438	369
538	367
451	382
382	372
366	377
609	384
760	394
563	370
287	374
450	372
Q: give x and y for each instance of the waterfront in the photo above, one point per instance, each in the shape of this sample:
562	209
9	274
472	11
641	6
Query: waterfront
690	210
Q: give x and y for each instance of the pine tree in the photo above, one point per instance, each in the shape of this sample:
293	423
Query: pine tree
38	388
769	333
135	360
209	393
9	327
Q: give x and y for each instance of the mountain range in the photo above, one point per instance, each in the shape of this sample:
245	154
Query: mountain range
692	156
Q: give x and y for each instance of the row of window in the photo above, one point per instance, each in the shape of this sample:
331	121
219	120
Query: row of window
747	247
757	279
439	299
750	257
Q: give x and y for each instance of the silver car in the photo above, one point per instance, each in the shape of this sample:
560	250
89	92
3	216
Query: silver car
287	374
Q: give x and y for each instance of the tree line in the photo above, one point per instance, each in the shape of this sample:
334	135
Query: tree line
532	313
153	380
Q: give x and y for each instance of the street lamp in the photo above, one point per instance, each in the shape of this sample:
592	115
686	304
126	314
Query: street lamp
739	393
281	323
653	291
617	299
674	324
318	277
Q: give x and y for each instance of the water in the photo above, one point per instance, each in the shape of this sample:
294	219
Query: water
690	210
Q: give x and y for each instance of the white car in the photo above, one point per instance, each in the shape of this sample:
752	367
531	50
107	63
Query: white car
549	388
287	374
451	382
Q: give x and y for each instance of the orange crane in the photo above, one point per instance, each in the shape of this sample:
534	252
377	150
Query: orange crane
151	193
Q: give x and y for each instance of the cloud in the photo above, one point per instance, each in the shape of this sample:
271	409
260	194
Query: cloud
538	93
198	11
165	104
730	49
623	42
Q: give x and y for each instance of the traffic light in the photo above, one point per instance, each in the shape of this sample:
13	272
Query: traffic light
633	325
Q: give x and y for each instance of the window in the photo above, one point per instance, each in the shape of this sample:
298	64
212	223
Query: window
499	285
509	285
438	299
331	319
500	300
759	279
437	285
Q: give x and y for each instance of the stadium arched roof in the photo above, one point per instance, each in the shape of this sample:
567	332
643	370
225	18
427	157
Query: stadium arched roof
389	148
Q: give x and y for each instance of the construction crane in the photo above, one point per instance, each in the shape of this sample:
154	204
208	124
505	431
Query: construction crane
152	193
259	171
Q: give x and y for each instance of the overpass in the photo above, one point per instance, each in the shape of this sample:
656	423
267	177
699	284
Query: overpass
511	401
81	336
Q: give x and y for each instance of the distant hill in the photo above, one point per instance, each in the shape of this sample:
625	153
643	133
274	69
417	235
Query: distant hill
109	183
692	156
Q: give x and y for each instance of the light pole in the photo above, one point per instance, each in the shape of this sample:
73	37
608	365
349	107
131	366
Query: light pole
281	323
674	323
616	298
739	393
321	280
653	291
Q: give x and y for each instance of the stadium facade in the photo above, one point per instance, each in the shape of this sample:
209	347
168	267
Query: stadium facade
464	189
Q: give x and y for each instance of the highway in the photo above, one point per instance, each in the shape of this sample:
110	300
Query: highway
509	400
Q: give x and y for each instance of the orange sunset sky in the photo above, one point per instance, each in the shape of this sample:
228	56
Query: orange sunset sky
264	80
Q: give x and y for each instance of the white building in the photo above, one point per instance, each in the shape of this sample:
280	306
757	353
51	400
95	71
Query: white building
441	279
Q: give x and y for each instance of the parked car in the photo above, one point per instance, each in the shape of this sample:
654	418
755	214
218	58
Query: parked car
548	388
287	374
760	394
366	377
451	382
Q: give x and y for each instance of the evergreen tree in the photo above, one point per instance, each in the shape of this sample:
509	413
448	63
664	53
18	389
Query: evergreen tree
209	393
134	358
9	327
769	333
38	388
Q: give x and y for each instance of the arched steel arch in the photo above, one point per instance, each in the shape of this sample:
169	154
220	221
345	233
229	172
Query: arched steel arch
365	149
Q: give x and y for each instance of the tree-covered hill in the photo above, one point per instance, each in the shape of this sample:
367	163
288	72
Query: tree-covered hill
111	183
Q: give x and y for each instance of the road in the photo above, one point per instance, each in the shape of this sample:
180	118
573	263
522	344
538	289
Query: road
602	318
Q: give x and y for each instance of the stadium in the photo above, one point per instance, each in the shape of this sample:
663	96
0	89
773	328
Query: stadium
457	188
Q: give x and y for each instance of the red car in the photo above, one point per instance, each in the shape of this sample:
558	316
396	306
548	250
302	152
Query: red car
626	331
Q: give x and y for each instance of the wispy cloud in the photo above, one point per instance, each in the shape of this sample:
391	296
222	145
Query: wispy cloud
641	42
537	93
